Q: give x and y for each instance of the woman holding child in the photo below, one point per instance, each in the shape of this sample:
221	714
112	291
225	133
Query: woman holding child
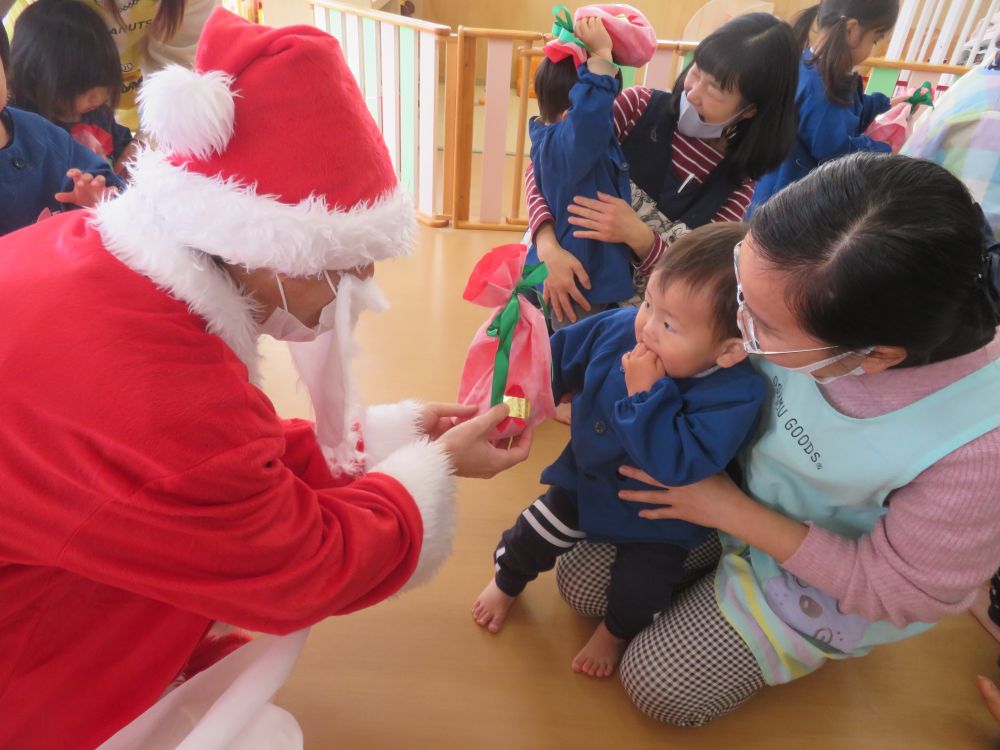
691	155
865	512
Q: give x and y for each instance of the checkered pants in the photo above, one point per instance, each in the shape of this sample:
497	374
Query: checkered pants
689	666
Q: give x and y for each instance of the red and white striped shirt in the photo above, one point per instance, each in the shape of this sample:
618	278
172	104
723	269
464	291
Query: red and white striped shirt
693	160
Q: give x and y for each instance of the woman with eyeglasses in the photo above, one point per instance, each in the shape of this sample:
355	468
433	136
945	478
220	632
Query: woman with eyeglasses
866	509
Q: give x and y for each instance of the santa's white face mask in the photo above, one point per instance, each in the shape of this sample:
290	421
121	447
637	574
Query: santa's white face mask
824	380
284	326
689	122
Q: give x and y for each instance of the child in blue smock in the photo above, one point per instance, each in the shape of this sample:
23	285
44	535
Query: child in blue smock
42	169
66	68
665	388
833	109
574	151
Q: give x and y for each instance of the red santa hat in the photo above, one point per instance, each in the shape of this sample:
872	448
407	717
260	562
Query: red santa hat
267	155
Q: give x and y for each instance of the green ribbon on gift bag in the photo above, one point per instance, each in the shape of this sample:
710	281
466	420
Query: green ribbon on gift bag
562	28
923	95
503	326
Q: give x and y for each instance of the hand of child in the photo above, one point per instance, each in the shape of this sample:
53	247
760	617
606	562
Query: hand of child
591	32
87	190
566	275
642	369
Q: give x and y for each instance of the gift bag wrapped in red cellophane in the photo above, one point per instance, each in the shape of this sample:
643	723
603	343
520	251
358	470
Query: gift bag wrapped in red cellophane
509	360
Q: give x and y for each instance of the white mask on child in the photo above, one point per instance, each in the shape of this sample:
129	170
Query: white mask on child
690	123
826	379
284	326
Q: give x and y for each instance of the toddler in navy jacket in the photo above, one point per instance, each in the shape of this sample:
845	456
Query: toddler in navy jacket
666	389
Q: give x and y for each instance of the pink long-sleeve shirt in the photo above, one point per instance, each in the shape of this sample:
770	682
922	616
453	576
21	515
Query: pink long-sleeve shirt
940	540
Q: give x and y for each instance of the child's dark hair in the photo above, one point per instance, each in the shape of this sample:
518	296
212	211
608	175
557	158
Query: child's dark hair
61	49
882	251
703	259
4	53
553	82
832	58
757	55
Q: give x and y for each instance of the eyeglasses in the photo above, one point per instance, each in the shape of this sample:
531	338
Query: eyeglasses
745	320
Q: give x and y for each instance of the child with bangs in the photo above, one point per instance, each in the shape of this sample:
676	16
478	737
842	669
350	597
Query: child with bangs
66	68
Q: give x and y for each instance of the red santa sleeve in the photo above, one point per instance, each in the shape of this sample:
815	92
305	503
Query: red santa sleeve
240	538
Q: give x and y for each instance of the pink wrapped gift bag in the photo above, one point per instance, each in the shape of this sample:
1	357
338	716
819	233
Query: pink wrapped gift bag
894	126
633	39
510	359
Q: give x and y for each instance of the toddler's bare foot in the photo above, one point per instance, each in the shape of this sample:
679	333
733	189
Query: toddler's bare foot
491	608
600	657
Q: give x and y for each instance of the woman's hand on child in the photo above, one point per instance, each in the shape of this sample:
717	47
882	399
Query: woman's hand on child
566	275
718	503
706	503
642	369
87	190
610	219
437	419
473	455
591	32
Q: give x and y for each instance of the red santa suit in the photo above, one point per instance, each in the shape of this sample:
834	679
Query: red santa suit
149	489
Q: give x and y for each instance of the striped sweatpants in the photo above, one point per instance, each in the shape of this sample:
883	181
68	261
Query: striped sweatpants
642	579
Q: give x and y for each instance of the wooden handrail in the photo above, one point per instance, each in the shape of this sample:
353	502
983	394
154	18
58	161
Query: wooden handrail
916	67
476	33
392	18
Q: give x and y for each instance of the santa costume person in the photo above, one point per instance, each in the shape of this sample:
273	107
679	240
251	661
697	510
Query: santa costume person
149	488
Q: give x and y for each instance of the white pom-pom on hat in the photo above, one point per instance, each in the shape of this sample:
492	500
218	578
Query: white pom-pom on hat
188	113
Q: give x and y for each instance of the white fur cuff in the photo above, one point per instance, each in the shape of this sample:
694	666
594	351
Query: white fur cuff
388	427
424	469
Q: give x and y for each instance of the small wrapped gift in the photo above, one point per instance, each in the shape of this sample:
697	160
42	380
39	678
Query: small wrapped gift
633	39
894	126
509	359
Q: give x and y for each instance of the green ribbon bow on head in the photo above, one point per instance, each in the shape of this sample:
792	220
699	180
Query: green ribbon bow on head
562	28
923	95
503	326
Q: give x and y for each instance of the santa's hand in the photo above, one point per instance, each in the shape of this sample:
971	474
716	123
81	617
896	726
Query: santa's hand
87	190
471	452
437	419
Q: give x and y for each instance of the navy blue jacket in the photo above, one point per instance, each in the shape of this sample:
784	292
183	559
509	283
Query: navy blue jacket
826	131
33	168
580	155
678	432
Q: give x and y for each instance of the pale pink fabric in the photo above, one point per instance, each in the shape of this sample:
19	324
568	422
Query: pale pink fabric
632	38
530	376
941	537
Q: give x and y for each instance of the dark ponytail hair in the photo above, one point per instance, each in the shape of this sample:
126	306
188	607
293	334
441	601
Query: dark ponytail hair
168	18
757	55
832	58
882	250
61	49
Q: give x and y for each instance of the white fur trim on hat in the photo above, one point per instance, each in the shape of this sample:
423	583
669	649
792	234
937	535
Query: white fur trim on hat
188	113
229	219
425	470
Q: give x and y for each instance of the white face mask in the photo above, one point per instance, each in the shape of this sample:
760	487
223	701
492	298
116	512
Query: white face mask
824	380
690	123
284	326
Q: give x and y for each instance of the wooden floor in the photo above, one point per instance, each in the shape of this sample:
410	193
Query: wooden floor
415	672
